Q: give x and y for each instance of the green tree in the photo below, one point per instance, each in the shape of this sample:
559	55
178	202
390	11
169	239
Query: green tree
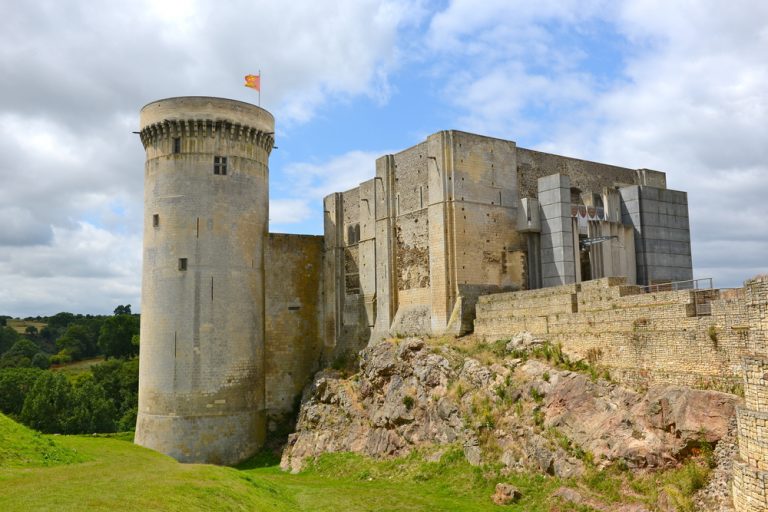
91	411
123	310
41	360
47	404
20	354
15	384
31	330
116	335
120	381
23	347
8	336
74	342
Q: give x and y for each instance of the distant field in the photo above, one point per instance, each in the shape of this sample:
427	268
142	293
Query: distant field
78	366
21	325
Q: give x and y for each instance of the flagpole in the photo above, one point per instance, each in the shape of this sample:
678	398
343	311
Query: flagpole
259	87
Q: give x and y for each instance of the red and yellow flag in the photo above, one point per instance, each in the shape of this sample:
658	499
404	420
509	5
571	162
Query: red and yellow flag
253	81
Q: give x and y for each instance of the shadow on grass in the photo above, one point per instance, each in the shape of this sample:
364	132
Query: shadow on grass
263	459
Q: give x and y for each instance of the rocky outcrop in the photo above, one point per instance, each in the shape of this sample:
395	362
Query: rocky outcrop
526	414
615	423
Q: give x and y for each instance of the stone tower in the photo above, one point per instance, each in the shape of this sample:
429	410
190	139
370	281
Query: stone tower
201	384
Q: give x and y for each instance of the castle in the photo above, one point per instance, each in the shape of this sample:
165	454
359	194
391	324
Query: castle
235	320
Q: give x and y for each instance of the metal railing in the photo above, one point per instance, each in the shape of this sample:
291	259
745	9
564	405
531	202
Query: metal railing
705	283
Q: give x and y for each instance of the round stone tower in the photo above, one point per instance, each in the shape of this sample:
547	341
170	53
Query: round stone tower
201	369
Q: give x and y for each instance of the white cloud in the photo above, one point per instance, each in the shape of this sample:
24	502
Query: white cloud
311	182
289	211
85	269
73	76
691	101
697	106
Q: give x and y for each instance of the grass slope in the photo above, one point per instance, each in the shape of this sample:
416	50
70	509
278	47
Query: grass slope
104	473
23	447
65	473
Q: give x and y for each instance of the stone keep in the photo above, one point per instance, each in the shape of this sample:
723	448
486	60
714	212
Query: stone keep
202	391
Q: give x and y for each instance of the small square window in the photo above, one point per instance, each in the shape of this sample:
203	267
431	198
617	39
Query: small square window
219	165
156	220
182	263
177	145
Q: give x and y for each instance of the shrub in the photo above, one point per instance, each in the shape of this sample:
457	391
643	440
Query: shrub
712	333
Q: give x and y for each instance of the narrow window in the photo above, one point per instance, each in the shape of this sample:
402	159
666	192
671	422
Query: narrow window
219	165
156	220
177	145
421	197
353	234
182	263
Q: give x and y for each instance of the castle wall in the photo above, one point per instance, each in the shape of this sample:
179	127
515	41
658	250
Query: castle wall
438	228
483	201
294	348
642	338
584	175
346	324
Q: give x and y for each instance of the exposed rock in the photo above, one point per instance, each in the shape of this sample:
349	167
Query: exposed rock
473	454
651	430
716	495
476	374
399	401
632	507
523	340
505	494
568	494
535	416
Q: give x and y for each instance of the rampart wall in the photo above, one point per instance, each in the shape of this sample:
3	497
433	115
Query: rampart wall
687	337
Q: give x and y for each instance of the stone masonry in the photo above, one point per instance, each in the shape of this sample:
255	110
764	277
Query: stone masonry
687	337
750	469
236	320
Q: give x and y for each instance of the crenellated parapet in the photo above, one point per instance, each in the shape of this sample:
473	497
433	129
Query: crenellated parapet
161	133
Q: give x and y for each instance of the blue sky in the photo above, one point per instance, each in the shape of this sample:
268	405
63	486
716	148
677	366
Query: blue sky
675	86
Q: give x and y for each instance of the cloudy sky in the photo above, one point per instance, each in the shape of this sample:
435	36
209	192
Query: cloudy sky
679	86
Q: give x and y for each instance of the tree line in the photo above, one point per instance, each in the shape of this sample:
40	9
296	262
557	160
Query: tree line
101	398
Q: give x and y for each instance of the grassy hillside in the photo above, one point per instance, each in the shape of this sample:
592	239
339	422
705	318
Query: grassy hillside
63	473
22	447
39	472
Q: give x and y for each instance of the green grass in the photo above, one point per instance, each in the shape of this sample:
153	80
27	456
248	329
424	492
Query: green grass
23	447
110	473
